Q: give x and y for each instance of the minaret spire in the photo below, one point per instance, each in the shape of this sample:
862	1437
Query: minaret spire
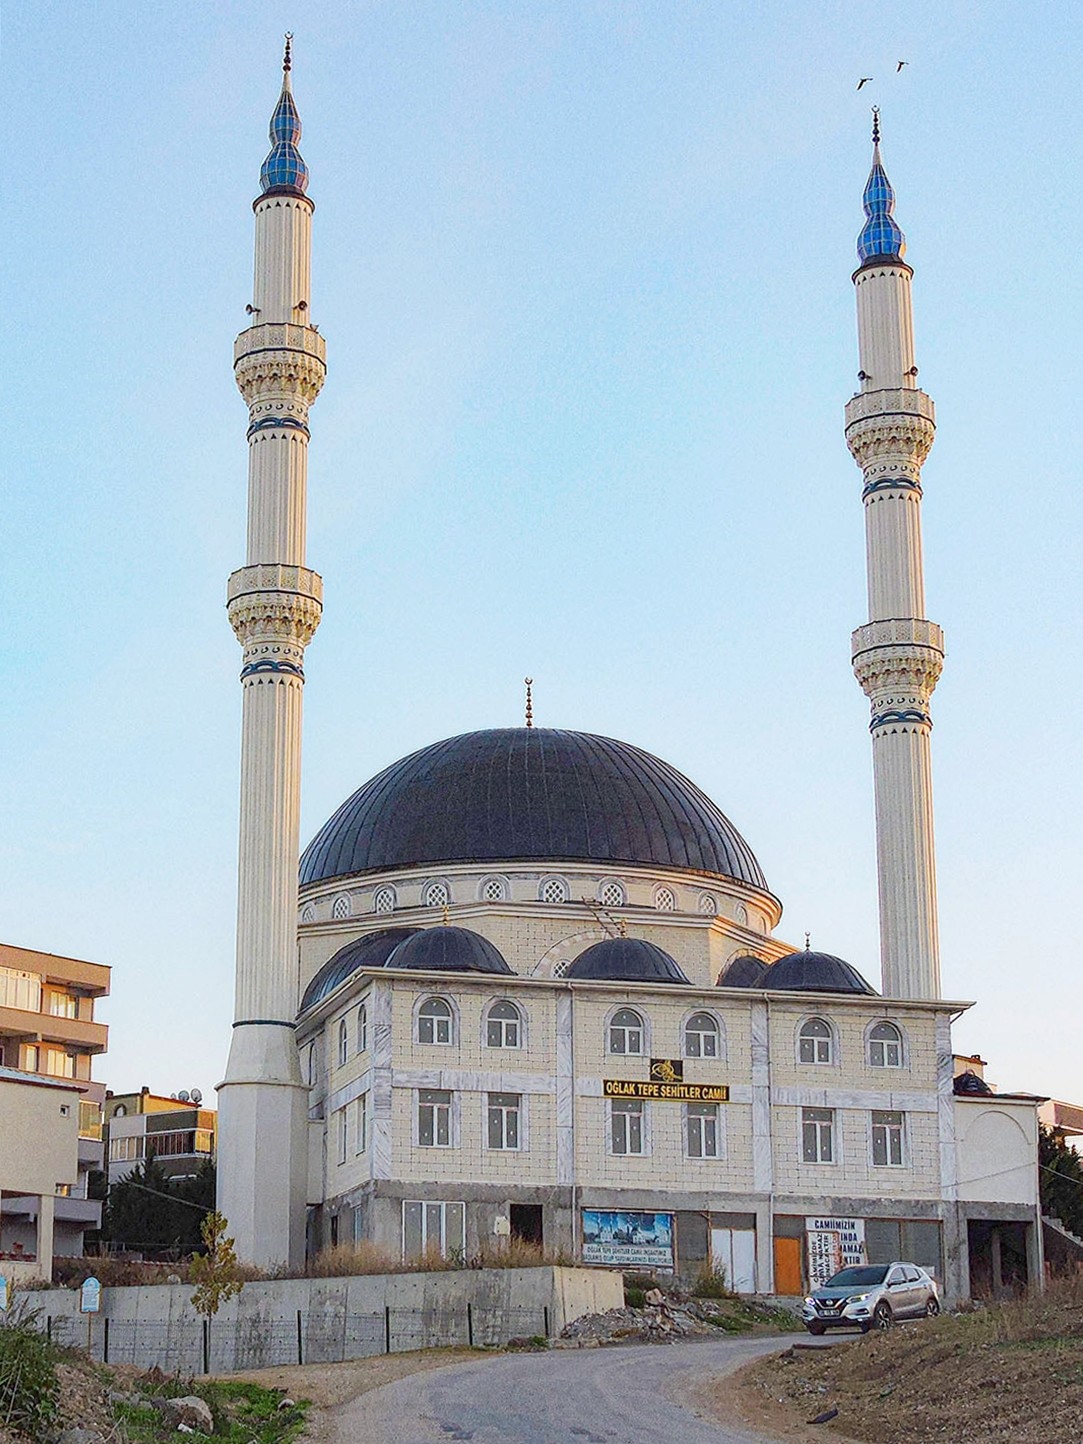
274	604
898	653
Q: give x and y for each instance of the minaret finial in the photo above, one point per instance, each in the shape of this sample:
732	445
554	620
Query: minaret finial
287	62
875	124
880	235
529	683
808	941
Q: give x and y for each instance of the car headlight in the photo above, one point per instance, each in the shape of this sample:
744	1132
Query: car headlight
810	1303
857	1298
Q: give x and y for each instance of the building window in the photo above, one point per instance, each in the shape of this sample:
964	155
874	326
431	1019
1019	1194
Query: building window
493	889
707	904
340	908
504	1119
362	1028
627	1134
343	1043
124	1150
665	900
343	1133
384	900
741	914
701	1036
814	1042
626	1032
818	1135
312	1064
57	1062
503	1026
61	1005
361	1140
701	1129
611	895
435	1021
433	1118
20	989
553	890
436	1228
308	913
120	1111
436	895
887	1140
885	1046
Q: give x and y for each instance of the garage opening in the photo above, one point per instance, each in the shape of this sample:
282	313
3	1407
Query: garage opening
526	1222
998	1258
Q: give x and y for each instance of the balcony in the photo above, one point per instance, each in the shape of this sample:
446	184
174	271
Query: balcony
45	1028
87	1212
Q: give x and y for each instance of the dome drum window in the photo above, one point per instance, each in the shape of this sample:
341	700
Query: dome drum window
815	1042
435	1022
626	1033
493	889
885	1046
340	908
611	894
665	900
383	900
553	890
435	895
707	905
343	1043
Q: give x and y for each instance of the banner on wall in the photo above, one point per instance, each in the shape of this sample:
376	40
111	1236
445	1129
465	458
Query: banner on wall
833	1244
628	1240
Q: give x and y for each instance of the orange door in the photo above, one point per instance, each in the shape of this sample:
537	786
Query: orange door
788	1266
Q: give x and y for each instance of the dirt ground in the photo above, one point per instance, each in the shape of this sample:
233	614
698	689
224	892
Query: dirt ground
1006	1375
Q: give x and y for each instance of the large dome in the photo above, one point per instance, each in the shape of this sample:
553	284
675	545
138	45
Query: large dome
529	793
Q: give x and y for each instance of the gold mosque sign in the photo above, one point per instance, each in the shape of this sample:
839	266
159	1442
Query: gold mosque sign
666	1083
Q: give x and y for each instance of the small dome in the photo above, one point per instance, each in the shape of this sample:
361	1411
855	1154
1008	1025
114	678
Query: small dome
814	973
742	972
370	951
969	1083
625	960
448	950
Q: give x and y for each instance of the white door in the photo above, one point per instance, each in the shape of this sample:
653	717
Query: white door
734	1251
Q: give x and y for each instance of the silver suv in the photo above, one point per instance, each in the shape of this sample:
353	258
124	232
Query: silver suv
871	1296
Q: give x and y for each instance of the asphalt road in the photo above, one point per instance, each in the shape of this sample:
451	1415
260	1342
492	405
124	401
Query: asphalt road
625	1395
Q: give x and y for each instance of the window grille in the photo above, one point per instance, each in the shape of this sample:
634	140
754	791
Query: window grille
341	908
554	890
665	900
436	895
384	900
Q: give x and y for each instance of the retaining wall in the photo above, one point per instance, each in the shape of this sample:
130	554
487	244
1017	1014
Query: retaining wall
291	1321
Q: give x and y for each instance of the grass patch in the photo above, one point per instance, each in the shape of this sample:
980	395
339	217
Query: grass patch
243	1413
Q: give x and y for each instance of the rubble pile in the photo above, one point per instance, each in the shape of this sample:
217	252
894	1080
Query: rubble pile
661	1321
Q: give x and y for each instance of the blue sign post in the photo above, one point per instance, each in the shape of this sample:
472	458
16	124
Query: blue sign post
5	1294
90	1296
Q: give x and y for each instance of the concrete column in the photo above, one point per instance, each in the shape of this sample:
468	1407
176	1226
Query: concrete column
44	1246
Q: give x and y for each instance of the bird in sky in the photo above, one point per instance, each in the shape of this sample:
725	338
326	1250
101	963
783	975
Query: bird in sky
900	65
865	80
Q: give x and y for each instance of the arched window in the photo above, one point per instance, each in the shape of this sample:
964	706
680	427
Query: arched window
341	908
701	1036
814	1042
611	895
362	1028
626	1032
553	890
308	913
707	904
120	1111
436	895
312	1064
741	914
503	1026
561	967
435	1021
885	1046
343	1043
665	900
384	900
493	889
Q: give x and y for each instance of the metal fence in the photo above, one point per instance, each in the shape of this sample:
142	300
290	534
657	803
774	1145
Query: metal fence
325	1336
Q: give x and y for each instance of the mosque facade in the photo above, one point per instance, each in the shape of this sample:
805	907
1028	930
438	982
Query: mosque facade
531	986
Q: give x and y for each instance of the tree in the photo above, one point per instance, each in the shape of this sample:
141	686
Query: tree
215	1272
1061	1174
157	1215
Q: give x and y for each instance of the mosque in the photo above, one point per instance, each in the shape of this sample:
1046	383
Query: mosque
530	984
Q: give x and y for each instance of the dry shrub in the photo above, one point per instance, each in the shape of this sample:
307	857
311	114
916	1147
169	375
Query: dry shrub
348	1259
519	1253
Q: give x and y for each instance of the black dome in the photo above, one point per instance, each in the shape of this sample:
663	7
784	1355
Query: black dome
743	972
448	950
625	960
814	973
529	793
371	951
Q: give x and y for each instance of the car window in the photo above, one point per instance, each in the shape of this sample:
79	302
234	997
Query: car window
913	1275
857	1277
896	1276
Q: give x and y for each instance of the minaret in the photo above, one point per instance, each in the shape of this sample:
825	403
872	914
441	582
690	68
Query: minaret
274	606
898	654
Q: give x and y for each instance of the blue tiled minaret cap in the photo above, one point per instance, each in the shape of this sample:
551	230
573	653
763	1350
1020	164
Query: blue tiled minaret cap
881	234
285	169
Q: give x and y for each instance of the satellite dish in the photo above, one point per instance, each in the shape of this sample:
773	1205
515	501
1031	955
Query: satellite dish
197	1097
174	1097
183	1096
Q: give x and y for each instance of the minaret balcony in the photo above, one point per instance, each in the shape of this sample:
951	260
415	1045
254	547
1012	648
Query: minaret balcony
281	336
897	424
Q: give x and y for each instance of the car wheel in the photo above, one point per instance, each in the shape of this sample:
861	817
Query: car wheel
816	1329
932	1306
882	1317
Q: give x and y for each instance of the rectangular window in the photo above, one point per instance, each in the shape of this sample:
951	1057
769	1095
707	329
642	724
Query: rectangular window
90	1120
887	1140
818	1135
19	989
434	1118
57	1063
504	1119
438	1228
124	1150
343	1133
701	1129
61	1005
626	1131
361	1142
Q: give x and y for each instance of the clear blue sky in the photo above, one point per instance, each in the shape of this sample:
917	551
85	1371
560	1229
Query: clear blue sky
584	274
